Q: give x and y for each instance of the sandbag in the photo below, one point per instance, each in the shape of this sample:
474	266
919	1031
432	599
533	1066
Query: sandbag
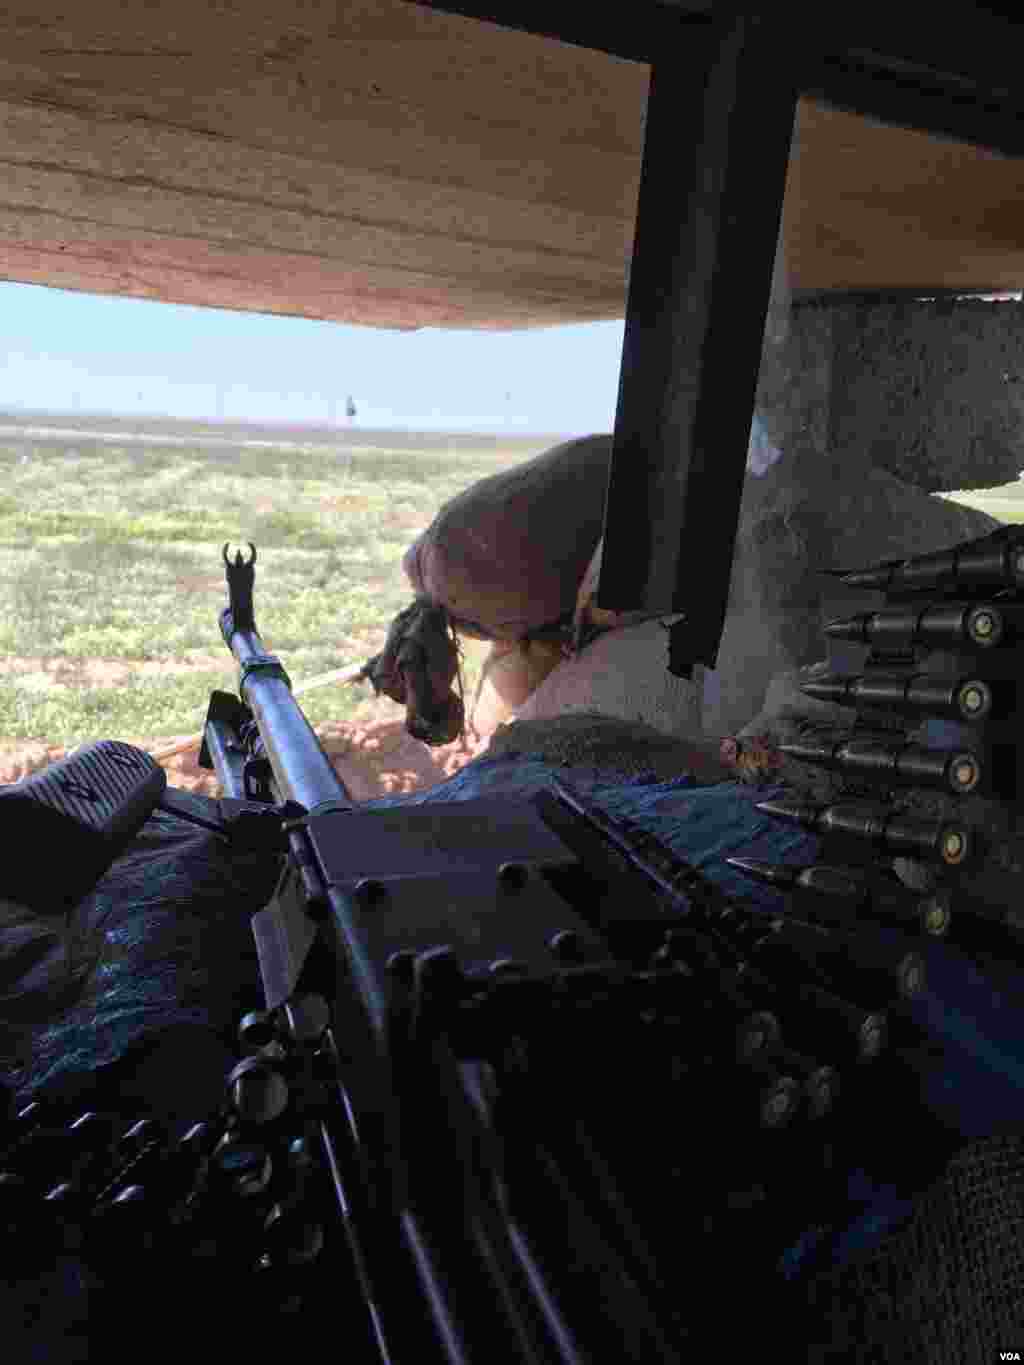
506	556
510	674
807	513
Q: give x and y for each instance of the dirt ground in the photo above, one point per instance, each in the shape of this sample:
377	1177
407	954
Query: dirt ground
373	757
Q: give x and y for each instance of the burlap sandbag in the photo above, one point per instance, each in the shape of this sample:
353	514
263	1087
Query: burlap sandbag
507	555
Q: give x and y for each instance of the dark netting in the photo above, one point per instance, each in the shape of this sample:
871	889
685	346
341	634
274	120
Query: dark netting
879	1267
948	1286
165	942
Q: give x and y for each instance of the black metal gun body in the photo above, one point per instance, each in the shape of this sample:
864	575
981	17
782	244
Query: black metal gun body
409	923
512	1053
484	963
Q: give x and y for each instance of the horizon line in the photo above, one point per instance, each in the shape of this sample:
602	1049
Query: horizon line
77	414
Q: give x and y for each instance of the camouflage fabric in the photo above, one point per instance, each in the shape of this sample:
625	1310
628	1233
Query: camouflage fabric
417	667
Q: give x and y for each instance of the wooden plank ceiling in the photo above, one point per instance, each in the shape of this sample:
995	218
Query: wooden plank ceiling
374	162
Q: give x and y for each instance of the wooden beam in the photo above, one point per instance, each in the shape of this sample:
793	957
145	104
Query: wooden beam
874	206
330	160
636	32
719	125
964	54
918	100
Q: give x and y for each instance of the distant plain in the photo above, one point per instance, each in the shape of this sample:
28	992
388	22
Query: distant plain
111	577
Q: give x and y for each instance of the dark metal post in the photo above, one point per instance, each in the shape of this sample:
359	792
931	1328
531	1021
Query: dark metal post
716	150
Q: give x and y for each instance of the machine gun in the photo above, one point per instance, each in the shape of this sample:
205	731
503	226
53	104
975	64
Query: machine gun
514	1053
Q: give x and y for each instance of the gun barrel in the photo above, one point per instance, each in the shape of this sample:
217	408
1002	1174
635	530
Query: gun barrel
302	771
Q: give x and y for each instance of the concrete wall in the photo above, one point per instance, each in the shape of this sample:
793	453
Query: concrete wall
854	398
931	391
823	498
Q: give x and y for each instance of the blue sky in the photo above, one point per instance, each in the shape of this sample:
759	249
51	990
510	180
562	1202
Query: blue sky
62	351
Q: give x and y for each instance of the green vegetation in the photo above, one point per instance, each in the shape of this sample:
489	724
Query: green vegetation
113	553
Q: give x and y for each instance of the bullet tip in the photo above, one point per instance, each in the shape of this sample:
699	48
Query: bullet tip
792	809
802	751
